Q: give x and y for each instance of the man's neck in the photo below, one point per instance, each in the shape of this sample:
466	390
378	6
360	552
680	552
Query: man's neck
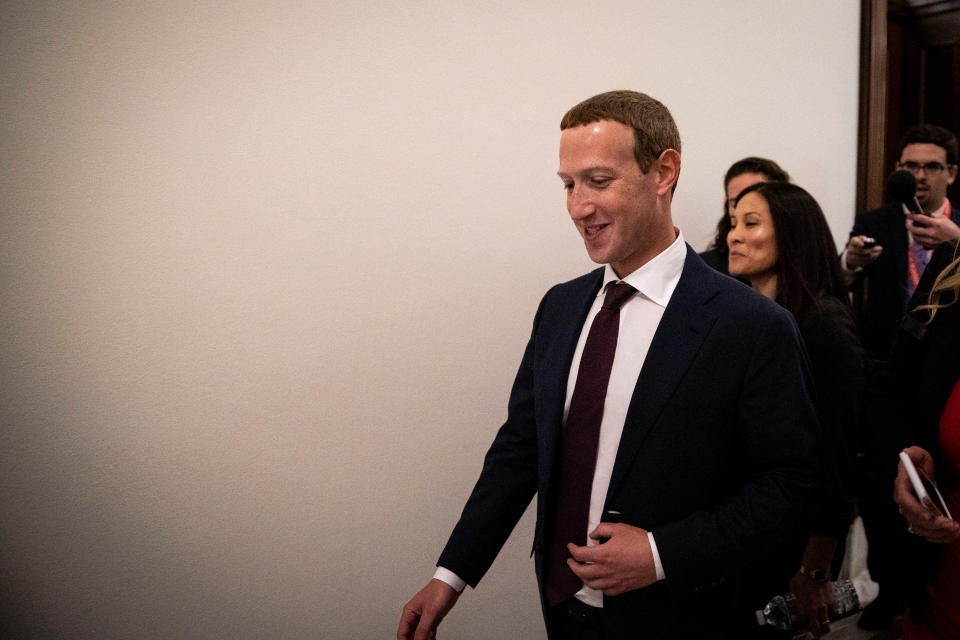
930	210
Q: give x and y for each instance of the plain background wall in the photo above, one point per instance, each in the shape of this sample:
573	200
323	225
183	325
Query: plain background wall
267	271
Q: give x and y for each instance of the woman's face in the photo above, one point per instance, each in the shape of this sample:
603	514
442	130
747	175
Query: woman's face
752	241
738	184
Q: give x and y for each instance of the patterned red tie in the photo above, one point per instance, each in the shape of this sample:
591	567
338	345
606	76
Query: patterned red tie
578	453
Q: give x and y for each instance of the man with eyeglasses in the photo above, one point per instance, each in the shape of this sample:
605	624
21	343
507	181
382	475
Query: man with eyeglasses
904	240
885	256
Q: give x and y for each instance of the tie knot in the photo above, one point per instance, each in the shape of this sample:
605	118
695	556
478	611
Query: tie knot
617	294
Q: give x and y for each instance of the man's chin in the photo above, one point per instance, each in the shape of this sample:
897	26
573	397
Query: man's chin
600	255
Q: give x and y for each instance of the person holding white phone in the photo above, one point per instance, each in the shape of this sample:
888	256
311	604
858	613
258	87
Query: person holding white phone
927	486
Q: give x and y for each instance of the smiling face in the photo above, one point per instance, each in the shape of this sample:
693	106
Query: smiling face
931	188
752	239
622	214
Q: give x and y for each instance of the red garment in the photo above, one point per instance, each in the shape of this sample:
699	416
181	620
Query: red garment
943	608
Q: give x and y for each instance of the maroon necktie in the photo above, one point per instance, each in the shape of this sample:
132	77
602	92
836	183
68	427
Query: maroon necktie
578	454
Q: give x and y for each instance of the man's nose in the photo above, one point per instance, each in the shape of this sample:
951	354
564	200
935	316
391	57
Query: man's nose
579	203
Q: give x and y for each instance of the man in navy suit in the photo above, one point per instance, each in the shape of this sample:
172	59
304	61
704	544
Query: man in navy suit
705	446
904	240
883	278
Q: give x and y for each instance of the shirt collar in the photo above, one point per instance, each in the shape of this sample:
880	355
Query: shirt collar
942	211
657	279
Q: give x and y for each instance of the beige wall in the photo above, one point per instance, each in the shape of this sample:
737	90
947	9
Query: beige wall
267	269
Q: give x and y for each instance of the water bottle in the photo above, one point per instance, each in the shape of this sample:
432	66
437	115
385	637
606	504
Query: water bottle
781	611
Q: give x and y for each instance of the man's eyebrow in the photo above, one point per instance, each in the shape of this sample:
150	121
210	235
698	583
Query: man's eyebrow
587	170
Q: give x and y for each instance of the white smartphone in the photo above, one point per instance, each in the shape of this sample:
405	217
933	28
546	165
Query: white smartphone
924	488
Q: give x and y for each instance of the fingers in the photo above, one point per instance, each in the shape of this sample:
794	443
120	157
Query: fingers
582	554
921	520
413	626
422	615
819	620
860	256
921	459
923	233
940	529
903	494
426	629
931	232
416	624
408	623
604	530
592	565
598	576
855	243
585	571
813	599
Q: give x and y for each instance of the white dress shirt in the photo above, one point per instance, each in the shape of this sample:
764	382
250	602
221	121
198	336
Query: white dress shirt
640	316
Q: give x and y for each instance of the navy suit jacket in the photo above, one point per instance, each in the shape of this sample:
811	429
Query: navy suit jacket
884	281
716	456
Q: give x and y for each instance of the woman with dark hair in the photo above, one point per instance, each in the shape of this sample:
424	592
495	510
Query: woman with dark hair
927	355
779	241
739	176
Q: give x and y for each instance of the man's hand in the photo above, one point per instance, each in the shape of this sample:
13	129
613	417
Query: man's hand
932	232
422	615
813	603
858	255
622	563
921	520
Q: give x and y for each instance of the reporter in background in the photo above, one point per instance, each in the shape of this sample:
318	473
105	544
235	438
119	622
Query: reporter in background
890	270
927	355
740	175
780	242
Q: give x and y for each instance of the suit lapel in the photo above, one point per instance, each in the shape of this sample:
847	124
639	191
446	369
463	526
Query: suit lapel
678	338
566	317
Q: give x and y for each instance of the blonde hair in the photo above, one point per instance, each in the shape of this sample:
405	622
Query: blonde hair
947	285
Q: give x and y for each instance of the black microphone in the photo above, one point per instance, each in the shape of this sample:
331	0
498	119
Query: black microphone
902	187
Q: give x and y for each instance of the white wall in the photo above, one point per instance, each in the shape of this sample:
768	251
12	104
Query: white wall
267	269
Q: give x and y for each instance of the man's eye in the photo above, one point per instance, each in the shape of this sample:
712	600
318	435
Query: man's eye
600	182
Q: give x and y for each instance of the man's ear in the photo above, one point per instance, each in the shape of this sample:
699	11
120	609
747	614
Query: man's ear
668	171
951	174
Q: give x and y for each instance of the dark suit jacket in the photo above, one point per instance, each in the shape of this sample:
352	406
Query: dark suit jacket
836	364
715	457
884	281
714	259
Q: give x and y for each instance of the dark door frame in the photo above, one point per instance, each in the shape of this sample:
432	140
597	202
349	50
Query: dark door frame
918	31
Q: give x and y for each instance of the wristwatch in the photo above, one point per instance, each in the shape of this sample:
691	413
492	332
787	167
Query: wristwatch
817	574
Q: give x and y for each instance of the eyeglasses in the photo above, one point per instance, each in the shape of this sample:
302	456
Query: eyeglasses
930	168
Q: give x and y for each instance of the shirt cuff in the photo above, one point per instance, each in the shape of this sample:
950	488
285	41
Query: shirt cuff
847	268
656	556
452	579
